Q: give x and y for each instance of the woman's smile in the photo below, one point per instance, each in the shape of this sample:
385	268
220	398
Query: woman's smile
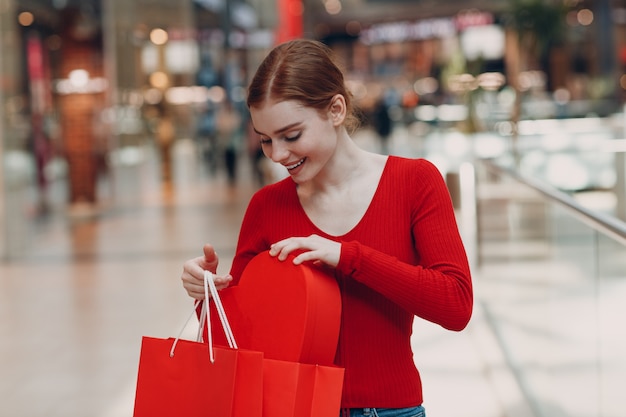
296	165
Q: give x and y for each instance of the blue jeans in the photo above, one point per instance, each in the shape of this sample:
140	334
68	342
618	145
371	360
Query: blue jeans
418	411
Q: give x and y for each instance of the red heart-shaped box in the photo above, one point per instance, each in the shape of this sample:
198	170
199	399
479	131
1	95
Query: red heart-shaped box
289	312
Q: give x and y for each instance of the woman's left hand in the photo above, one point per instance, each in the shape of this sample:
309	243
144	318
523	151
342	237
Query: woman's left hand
315	249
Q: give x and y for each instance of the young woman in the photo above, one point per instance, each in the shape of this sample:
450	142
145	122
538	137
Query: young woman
383	224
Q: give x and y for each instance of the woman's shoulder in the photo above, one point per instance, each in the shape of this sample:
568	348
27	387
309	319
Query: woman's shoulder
416	179
412	167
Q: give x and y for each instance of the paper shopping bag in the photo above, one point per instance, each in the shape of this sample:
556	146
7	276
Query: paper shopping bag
188	384
292	389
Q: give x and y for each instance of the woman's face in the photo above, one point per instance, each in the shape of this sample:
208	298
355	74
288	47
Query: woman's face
297	137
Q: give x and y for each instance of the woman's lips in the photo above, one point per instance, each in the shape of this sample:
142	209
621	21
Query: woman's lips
296	165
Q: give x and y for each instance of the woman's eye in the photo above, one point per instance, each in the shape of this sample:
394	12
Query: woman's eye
293	137
265	141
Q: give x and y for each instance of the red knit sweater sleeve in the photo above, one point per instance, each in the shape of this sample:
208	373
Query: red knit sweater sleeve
270	217
438	288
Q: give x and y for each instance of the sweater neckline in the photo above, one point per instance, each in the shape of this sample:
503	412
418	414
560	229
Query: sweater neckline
379	186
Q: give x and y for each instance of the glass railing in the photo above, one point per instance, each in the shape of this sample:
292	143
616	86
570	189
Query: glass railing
551	277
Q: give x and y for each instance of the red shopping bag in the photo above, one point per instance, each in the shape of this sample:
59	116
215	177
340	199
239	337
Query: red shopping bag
193	379
188	384
292	389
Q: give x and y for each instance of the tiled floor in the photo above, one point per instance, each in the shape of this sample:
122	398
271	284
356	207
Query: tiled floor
74	307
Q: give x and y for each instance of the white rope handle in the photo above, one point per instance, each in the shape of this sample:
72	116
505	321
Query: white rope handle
195	306
210	291
206	316
208	282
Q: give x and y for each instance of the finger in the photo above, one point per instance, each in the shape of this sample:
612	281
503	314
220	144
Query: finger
195	287
209	252
192	286
328	255
222	282
282	252
306	256
283	248
193	270
210	256
195	291
275	248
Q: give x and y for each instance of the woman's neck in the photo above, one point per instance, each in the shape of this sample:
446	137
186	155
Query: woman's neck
349	162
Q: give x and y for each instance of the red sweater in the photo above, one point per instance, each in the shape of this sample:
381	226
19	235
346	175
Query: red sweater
403	259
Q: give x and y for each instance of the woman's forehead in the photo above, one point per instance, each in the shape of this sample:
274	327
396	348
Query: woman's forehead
278	105
272	116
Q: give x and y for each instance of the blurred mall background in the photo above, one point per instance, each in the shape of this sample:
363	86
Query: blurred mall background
85	83
124	146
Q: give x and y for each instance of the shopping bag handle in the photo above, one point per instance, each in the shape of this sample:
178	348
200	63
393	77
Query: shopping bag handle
209	286
209	289
180	334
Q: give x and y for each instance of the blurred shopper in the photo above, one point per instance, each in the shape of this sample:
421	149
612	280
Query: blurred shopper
44	152
383	225
229	138
256	155
165	136
206	136
382	123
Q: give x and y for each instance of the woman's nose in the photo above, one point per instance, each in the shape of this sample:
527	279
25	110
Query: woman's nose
279	152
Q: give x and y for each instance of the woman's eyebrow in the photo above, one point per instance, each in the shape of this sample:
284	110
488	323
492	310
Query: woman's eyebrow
282	129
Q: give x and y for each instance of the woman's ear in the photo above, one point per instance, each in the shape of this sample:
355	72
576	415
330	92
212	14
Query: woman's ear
338	109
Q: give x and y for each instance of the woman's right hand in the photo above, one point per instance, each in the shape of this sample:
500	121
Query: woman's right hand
193	273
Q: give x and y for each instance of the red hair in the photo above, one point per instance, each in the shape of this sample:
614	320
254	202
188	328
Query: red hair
304	71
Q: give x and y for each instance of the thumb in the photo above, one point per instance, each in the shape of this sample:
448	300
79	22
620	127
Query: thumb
209	253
